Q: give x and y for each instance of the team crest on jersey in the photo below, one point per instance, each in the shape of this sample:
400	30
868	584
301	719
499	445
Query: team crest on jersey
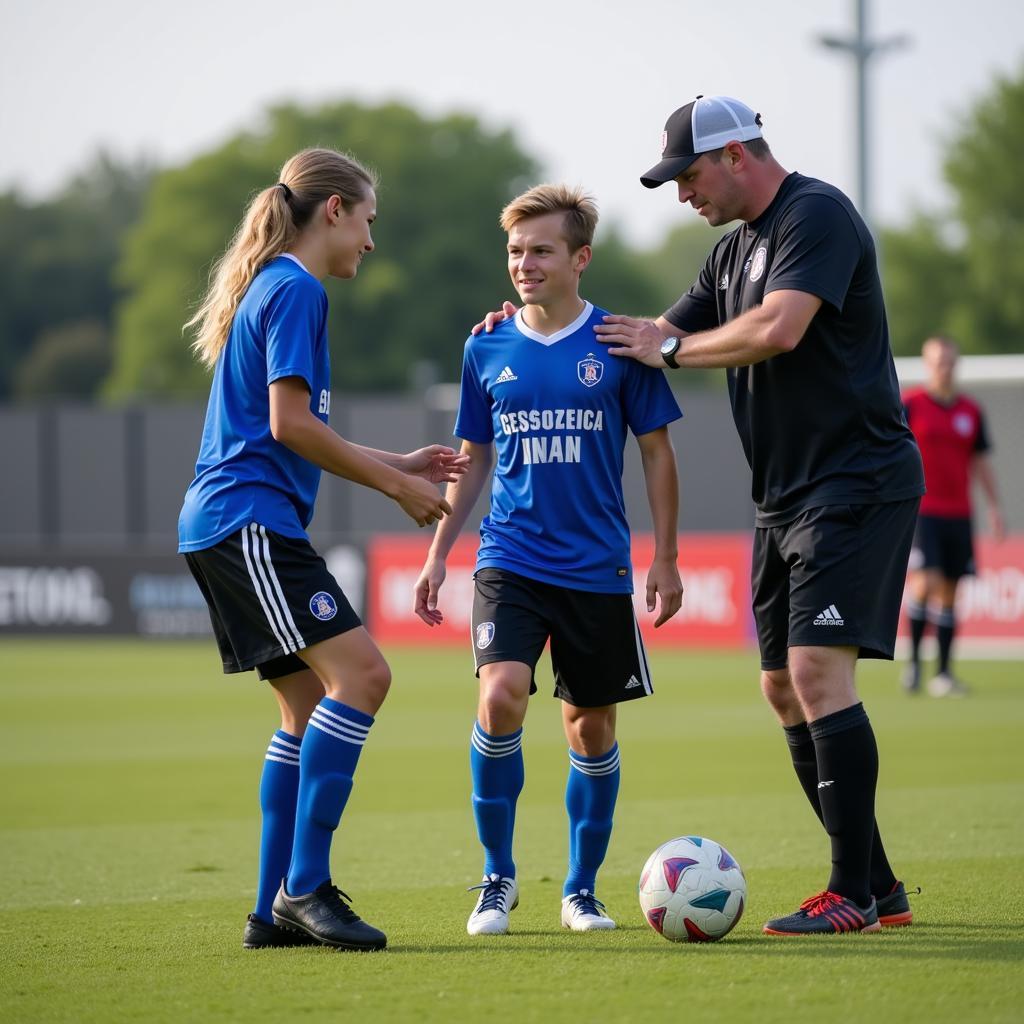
484	634
323	606
757	267
963	424
589	370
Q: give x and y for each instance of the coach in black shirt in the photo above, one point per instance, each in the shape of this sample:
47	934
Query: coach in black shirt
790	304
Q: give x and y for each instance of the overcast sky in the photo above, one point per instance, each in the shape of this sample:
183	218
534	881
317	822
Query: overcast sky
586	86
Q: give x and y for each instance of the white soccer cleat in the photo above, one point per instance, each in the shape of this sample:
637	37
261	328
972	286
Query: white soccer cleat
583	913
498	898
945	685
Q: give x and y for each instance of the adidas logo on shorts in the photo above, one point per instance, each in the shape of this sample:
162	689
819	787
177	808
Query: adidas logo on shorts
829	617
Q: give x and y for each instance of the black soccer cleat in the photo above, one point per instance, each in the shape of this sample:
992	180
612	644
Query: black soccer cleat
827	913
259	934
324	916
894	909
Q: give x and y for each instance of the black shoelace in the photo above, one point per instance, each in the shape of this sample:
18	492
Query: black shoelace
587	902
494	894
332	896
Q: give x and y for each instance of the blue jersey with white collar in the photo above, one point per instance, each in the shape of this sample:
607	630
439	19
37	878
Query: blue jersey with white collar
243	475
557	409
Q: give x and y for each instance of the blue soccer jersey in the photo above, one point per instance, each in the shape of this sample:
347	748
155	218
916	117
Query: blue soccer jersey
243	475
556	409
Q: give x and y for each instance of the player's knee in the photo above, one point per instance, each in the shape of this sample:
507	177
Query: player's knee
502	706
591	734
366	687
378	681
327	797
777	688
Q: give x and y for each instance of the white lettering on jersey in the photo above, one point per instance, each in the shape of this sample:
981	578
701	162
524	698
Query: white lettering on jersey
522	421
537	450
325	402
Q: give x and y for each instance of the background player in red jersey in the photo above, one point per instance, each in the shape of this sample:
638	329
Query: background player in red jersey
950	430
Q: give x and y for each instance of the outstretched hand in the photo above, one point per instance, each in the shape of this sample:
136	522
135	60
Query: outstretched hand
487	324
421	501
633	337
437	463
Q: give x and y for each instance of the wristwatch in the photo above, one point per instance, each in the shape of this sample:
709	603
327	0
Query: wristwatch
669	348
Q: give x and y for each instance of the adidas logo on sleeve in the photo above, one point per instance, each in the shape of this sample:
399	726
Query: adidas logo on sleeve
829	617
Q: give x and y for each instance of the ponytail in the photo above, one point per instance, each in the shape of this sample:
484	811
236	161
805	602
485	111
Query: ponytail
272	222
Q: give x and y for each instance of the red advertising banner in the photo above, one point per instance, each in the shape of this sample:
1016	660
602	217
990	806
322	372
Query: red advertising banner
716	605
715	570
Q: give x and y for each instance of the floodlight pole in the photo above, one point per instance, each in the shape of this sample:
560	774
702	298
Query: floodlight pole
862	50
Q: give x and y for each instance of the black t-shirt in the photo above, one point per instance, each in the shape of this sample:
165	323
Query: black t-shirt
823	424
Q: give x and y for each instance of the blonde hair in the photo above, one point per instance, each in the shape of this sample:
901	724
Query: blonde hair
272	222
579	208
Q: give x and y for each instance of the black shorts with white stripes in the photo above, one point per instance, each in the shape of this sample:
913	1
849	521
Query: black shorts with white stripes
269	596
597	653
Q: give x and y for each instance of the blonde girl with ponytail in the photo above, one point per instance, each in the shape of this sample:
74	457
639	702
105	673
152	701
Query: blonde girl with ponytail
274	607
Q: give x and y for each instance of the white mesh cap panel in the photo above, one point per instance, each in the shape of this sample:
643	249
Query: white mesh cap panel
721	119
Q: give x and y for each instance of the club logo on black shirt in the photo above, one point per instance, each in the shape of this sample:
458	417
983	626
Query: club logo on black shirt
757	268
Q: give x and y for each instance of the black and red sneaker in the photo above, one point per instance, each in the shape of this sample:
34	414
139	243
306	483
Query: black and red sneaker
894	908
828	913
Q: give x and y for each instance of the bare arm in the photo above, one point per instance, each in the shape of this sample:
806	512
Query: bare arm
462	495
436	462
776	326
293	424
662	479
981	464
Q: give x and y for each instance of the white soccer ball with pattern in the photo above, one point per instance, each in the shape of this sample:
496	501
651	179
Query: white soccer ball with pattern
692	890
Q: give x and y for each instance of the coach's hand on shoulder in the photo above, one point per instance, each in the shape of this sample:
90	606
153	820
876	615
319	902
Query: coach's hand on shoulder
663	579
426	591
631	336
437	463
487	324
421	500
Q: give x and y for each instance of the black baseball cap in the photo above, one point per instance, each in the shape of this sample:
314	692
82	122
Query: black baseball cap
706	124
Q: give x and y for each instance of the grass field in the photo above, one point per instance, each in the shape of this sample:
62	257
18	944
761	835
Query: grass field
128	828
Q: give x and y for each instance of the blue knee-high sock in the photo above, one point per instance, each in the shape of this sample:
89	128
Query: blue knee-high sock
330	750
279	788
590	800
497	766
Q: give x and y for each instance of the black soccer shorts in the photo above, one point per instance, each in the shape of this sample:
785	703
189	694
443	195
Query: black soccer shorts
597	653
269	596
943	544
833	577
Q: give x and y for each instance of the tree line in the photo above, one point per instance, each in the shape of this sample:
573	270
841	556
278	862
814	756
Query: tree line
99	278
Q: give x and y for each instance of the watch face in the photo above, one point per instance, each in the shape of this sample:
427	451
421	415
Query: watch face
669	345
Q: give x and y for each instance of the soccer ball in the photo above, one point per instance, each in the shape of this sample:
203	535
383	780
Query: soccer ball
692	890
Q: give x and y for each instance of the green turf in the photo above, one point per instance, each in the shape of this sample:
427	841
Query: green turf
128	827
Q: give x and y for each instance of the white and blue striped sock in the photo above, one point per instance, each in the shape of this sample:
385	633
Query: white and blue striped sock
497	767
279	787
330	751
590	795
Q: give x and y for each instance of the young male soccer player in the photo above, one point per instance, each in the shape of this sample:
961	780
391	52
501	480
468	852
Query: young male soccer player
950	431
554	559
